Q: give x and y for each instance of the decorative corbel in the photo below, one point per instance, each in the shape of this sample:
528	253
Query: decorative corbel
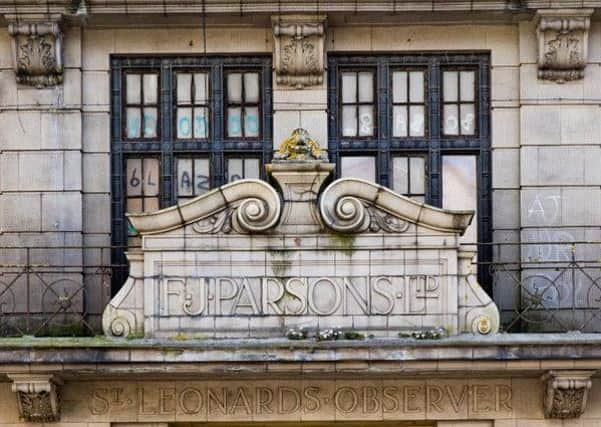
38	396
37	48
566	393
299	49
562	43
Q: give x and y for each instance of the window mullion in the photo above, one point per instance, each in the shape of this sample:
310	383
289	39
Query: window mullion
218	122
167	196
434	158
382	131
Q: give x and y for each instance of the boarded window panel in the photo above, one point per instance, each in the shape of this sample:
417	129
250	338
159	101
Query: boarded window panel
349	87
418	175
234	88
235	170
185	177
366	87
417	120
251	122
184	88
202	176
468	85
150	183
349	121
133	122
416	86
366	120
400	175
450	86
399	117
362	167
150	122
150	88
201	88
134	205
134	176
133	91
251	169
151	204
451	119
468	119
201	122
251	87
234	122
184	123
399	87
460	189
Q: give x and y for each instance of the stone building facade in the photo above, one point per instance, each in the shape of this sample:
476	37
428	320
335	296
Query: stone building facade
484	114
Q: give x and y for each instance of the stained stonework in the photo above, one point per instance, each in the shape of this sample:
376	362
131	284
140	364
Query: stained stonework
299	49
562	43
37	48
38	397
567	393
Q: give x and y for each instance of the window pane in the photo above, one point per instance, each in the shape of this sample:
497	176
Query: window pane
251	87
234	125
416	86
185	175
234	88
251	122
349	121
349	87
150	122
201	88
234	170
400	174
450	86
451	120
399	86
468	119
150	183
201	122
184	123
151	204
358	167
184	85
134	177
132	85
460	189
202	179
468	85
418	175
133	122
366	120
134	205
150	88
251	169
416	117
399	117
366	87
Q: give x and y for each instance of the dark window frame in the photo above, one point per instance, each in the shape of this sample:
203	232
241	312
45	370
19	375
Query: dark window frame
166	146
434	144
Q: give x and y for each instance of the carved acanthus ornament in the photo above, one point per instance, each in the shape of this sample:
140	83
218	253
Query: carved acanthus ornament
38	396
299	49
566	393
562	43
37	48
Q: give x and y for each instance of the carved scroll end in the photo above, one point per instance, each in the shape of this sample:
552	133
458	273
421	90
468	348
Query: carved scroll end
38	396
566	393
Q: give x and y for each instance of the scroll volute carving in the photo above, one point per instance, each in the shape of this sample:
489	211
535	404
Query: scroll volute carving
562	44
37	49
299	49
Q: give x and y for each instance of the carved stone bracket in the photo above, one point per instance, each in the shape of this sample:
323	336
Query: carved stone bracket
566	393
37	48
299	49
38	396
562	43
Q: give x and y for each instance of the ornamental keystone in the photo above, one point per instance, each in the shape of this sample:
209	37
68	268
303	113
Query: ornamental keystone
38	396
566	393
299	49
562	43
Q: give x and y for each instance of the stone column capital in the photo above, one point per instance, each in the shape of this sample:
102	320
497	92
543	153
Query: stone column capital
38	396
566	393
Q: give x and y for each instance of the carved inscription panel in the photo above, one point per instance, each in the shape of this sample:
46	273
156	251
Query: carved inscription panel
291	400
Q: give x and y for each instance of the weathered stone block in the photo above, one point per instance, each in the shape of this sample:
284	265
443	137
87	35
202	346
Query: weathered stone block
96	173
60	130
20	212
97	213
61	212
540	125
96	132
505	166
96	90
505	127
506	208
97	44
20	130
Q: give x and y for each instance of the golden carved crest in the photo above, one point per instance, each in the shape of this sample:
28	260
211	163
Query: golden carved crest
301	147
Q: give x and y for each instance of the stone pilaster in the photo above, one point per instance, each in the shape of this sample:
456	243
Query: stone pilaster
566	393
38	396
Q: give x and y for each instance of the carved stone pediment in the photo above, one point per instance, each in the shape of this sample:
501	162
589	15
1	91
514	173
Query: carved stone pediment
562	43
37	48
38	396
299	49
254	260
566	393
